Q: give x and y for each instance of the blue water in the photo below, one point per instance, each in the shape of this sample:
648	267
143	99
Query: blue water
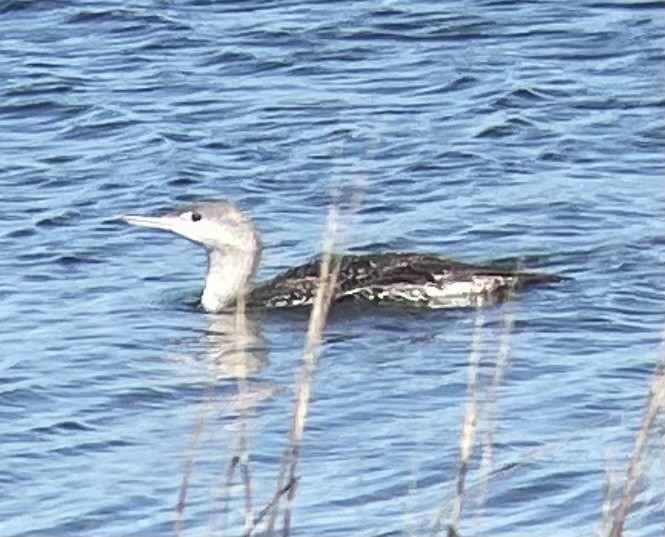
477	129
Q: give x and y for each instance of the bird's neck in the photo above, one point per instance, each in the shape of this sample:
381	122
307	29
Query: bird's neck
229	275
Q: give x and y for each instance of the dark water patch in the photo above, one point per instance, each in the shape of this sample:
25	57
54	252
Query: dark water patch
16	6
388	11
96	129
22	398
599	103
182	137
425	28
521	98
142	88
51	87
163	44
21	233
219	145
61	159
37	107
460	83
147	398
131	19
73	260
635	373
63	427
632	6
231	57
183	182
372	209
84	448
111	186
511	127
57	221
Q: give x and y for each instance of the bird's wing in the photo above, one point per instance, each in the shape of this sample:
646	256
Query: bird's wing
297	285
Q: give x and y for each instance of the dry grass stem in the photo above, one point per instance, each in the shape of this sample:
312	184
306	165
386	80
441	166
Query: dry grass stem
286	480
240	358
190	457
504	470
654	403
608	500
661	435
242	453
468	432
236	349
268	508
503	356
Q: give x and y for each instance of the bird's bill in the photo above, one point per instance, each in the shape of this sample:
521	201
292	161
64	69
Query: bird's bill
157	222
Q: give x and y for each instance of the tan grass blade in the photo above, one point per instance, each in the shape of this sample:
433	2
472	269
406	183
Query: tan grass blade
286	483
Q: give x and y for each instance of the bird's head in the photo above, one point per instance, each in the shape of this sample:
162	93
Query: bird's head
216	225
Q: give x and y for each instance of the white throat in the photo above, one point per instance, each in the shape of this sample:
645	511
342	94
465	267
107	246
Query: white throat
229	275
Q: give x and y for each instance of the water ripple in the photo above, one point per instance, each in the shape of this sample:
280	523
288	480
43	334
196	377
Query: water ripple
530	135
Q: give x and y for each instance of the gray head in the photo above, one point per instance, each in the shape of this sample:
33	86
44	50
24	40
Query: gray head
230	237
215	224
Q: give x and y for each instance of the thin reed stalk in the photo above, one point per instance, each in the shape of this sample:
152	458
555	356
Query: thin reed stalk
503	356
468	430
608	500
237	350
286	482
190	458
242	449
655	402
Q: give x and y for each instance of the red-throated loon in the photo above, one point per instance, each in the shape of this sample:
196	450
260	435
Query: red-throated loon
234	250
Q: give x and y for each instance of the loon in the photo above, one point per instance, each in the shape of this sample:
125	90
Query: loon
233	245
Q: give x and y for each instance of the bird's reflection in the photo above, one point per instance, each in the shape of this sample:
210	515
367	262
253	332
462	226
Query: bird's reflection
234	345
234	354
235	350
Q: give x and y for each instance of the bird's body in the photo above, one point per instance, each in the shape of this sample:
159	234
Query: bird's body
234	250
411	278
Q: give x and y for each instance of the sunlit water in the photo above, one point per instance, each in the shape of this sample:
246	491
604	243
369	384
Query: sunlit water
476	129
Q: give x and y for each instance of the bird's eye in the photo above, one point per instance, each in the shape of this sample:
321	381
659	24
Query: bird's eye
196	217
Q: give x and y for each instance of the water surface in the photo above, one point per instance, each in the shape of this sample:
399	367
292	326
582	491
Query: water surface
480	130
